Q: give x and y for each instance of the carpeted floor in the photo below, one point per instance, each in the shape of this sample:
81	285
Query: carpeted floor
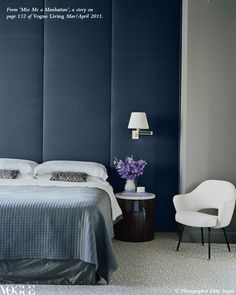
156	268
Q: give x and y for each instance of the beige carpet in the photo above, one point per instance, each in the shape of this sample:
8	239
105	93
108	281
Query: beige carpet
156	268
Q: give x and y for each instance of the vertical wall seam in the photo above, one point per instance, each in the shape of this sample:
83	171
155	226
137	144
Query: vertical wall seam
184	45
43	83
180	90
111	82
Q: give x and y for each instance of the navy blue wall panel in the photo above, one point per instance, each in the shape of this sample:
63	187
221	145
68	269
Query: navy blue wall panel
77	85
67	89
21	82
145	77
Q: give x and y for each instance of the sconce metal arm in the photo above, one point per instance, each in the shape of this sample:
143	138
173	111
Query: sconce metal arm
137	132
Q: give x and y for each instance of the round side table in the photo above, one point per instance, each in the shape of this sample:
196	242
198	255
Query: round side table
137	224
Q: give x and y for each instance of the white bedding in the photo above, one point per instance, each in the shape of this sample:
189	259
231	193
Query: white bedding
104	185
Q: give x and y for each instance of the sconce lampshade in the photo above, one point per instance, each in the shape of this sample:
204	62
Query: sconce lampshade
138	120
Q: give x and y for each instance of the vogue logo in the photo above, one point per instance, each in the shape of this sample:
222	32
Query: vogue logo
17	290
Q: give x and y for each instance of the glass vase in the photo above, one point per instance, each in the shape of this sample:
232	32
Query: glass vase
130	186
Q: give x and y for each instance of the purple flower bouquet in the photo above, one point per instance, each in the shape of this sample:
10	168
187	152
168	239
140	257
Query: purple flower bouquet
130	170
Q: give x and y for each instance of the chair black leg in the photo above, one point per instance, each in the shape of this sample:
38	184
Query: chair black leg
202	236
209	243
226	239
180	238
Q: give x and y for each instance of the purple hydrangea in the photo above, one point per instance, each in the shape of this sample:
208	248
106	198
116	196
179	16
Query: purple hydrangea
129	169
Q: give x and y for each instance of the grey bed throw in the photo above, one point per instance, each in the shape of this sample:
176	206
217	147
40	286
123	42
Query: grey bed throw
61	223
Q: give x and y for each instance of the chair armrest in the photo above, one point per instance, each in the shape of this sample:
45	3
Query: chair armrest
181	202
225	213
184	202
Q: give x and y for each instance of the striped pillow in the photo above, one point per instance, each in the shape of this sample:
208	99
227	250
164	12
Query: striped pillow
69	176
8	174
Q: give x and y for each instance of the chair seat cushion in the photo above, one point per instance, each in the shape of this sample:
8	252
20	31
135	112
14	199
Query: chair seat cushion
196	219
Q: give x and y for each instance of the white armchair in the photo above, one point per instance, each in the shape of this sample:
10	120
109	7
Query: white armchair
215	194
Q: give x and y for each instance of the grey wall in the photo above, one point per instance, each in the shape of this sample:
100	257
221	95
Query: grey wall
208	141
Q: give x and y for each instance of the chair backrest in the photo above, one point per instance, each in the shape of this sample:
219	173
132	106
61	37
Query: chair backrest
213	193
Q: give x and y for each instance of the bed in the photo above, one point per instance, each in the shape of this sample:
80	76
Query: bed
56	232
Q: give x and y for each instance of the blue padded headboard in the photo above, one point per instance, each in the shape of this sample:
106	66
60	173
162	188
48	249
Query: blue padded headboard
77	86
21	85
67	88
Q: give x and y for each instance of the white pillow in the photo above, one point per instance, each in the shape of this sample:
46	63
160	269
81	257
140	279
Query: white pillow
91	168
24	166
25	176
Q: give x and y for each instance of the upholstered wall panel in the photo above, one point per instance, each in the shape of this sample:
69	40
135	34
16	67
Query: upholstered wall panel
67	88
21	85
77	85
145	77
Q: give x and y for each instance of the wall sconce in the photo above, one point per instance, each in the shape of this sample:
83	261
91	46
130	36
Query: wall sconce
138	121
